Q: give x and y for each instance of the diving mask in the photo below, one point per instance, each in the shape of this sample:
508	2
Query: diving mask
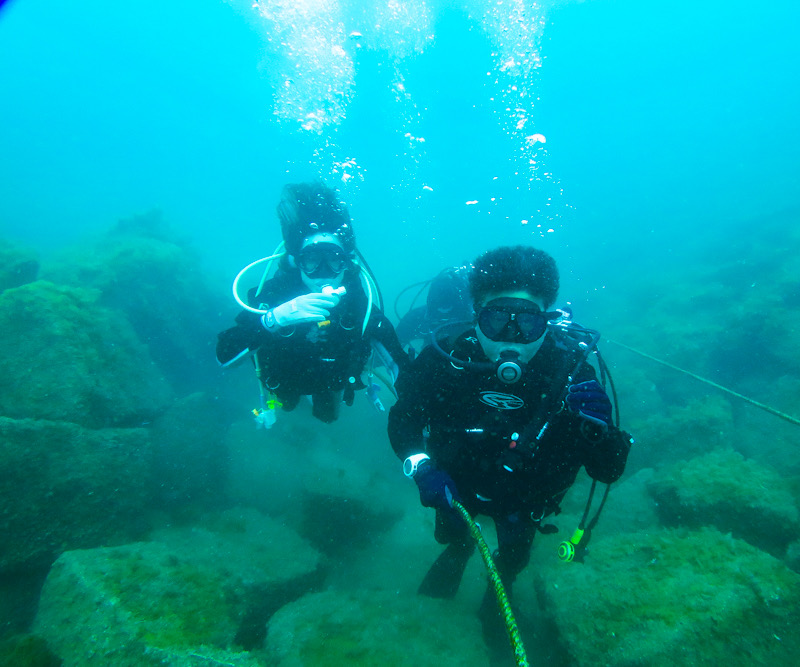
511	320
322	260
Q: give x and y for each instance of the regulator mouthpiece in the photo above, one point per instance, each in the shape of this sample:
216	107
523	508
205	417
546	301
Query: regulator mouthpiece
509	371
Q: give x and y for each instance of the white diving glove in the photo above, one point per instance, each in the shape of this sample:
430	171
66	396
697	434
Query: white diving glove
314	307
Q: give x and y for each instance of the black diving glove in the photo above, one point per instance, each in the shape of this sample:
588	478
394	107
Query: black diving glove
591	402
436	487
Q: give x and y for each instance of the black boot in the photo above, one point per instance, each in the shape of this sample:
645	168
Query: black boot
444	576
492	621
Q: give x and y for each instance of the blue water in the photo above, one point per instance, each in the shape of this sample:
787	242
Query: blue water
664	121
629	139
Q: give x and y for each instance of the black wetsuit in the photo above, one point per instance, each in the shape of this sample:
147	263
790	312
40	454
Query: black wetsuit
483	433
308	359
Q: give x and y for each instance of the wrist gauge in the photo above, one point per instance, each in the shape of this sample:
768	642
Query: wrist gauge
412	464
269	320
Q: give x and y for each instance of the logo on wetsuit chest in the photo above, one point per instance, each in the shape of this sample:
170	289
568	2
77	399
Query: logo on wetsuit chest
501	401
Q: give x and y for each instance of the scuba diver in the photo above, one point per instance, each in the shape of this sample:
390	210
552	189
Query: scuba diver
502	417
447	301
312	327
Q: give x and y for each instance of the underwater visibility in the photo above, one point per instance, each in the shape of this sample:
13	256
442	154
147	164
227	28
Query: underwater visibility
405	332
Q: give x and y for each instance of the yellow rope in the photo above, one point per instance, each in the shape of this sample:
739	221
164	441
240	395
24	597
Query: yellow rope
499	589
767	408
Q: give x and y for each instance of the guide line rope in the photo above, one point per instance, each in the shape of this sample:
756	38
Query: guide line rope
767	408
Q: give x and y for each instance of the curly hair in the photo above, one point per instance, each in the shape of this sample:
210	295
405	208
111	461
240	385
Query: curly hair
511	268
306	209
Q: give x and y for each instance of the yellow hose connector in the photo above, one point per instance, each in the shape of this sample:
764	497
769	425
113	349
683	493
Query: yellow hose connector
566	550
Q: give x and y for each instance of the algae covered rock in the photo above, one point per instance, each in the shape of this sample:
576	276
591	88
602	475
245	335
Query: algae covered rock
67	487
139	604
202	592
263	563
345	504
63	357
247	547
674	598
146	272
374	628
681	432
734	494
793	556
17	266
27	651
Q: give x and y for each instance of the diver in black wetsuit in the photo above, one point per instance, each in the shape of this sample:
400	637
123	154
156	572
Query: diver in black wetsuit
492	402
448	301
312	326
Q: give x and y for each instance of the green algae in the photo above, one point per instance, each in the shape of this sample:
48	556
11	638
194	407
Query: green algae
67	487
724	475
173	603
677	431
676	597
64	357
27	651
363	628
154	280
734	494
18	266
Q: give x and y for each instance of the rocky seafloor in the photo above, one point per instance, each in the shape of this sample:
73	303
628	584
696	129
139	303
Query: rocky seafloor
146	521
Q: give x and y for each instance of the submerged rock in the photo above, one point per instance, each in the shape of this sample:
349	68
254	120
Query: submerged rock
181	599
793	556
733	494
64	357
63	487
152	277
27	651
345	505
374	628
132	605
674	598
680	431
17	266
264	564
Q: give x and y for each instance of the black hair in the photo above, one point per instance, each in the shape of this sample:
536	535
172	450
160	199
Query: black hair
511	268
306	209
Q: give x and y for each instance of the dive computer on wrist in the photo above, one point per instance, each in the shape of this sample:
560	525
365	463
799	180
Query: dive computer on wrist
412	464
268	320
